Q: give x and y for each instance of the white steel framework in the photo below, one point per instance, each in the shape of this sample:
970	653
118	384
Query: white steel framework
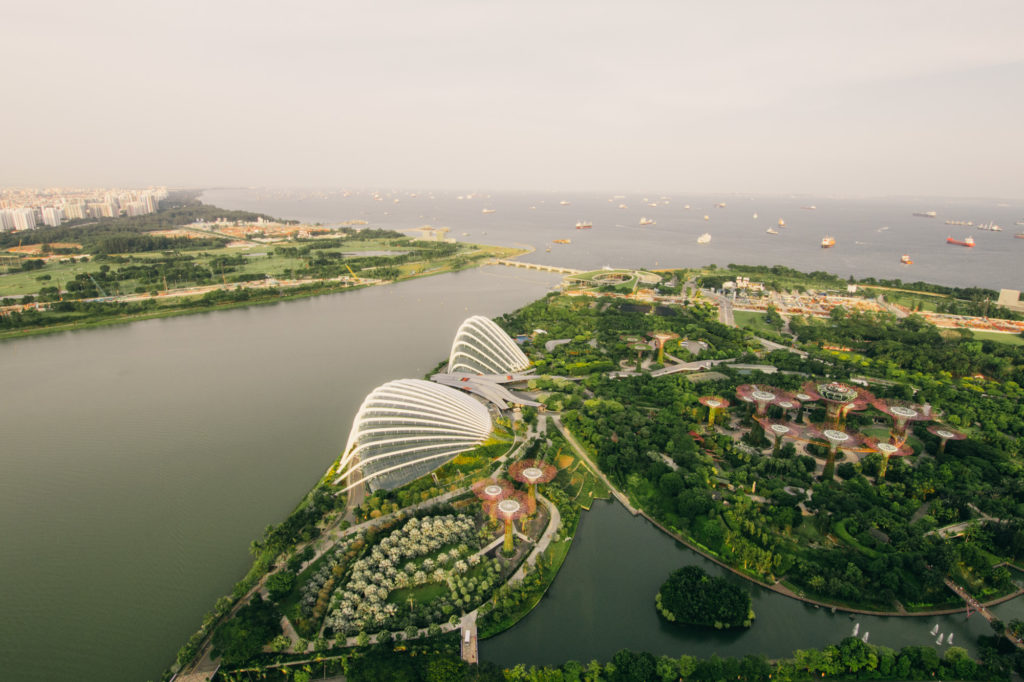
482	347
407	428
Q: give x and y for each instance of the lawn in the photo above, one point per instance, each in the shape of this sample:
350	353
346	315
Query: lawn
752	320
998	337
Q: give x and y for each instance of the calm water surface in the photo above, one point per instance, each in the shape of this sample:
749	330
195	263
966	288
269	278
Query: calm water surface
603	600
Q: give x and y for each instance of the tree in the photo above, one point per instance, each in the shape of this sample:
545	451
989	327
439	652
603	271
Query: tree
243	636
280	584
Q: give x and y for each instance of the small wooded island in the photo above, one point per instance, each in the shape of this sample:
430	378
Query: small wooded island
692	597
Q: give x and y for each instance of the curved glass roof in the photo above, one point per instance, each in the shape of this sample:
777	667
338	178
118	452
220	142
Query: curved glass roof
407	428
482	347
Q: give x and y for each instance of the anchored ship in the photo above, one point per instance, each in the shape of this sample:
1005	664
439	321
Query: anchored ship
968	241
926	214
772	230
584	225
563	241
488	210
646	221
782	223
905	259
827	242
704	238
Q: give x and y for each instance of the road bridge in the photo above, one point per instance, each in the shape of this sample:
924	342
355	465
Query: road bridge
537	266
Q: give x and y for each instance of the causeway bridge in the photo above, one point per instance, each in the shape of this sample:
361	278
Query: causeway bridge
537	266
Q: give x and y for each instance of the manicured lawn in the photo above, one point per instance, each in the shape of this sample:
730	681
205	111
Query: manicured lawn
752	320
1011	339
424	594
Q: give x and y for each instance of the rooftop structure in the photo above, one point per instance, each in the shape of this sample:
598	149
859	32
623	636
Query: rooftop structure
902	415
407	428
487	386
482	347
491	491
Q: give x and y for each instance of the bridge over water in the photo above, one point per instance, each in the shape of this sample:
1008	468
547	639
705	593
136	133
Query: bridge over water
537	266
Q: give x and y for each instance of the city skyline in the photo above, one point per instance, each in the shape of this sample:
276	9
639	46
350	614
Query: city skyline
789	98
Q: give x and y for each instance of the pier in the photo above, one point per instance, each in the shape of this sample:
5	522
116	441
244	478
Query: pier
470	653
974	606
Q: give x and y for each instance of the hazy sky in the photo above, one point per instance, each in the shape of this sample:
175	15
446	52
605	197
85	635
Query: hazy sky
816	97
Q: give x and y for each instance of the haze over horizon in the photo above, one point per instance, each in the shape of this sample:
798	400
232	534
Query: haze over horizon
874	99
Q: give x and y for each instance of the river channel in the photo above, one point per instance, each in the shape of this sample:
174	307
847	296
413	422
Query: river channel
603	600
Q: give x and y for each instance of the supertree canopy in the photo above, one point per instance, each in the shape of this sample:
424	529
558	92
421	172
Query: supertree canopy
840	399
508	510
888	450
715	405
662	338
901	415
491	491
777	430
945	434
531	472
764	396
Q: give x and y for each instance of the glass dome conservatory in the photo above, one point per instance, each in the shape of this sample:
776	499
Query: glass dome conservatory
407	428
482	347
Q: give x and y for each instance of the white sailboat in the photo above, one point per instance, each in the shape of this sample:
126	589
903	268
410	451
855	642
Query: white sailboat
865	637
856	629
939	640
935	630
949	640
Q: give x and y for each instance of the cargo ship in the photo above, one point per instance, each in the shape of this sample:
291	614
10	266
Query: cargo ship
827	242
584	225
488	210
809	208
563	241
704	238
646	221
782	223
926	214
563	202
905	259
772	230
1019	235
968	241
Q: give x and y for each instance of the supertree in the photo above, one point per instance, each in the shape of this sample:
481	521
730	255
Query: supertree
762	396
840	399
888	450
662	338
531	472
835	439
901	415
510	509
491	491
779	430
945	434
714	404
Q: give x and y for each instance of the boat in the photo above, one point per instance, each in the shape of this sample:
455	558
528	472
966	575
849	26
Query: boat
548	249
646	221
720	205
1019	222
856	629
755	216
687	207
584	225
562	241
925	214
782	223
827	242
563	202
704	238
939	640
706	217
622	206
809	208
991	227
488	210
865	637
949	639
935	630
905	259
1019	235
965	223
968	241
772	230
883	228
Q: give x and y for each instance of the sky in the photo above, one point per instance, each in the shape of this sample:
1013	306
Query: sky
806	97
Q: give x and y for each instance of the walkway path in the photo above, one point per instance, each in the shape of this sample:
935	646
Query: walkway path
974	605
554	523
557	419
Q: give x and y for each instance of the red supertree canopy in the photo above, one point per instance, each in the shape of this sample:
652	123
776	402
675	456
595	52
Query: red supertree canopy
851	397
889	449
714	402
834	437
532	471
490	489
946	433
512	507
765	396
